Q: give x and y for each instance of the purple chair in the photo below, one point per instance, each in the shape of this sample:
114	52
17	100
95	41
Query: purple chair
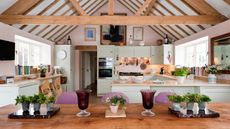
111	94
162	97
67	98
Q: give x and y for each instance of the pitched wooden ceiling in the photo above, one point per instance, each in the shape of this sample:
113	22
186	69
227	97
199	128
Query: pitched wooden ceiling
220	8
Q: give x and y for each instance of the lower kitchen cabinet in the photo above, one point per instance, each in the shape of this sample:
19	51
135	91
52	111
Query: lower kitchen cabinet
9	93
217	94
103	86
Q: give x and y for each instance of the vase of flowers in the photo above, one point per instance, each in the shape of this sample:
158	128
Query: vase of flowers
115	102
211	70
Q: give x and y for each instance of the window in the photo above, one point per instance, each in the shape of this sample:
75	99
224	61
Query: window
31	53
192	54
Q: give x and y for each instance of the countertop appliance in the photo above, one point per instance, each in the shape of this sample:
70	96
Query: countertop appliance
105	68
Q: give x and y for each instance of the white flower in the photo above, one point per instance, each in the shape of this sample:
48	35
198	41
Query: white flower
107	100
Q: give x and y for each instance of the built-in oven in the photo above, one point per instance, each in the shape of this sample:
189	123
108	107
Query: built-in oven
105	69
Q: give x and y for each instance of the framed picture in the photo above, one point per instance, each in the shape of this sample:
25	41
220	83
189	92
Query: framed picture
138	33
113	34
90	34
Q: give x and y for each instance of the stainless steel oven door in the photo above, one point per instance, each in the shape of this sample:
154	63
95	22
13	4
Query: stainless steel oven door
105	73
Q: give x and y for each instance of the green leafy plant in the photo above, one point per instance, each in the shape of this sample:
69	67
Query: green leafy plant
50	99
116	100
181	72
40	98
42	69
192	98
22	99
176	98
205	98
212	69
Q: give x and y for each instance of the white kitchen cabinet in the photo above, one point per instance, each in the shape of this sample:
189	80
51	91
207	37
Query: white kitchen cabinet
103	86
162	54
105	51
66	62
126	51
134	51
157	55
9	92
217	94
132	92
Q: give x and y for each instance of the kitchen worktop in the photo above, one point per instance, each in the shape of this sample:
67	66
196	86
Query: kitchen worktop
67	119
167	83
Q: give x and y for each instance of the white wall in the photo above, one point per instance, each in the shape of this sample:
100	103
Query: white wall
214	31
7	33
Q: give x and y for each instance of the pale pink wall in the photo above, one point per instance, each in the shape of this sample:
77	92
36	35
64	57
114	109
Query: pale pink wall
219	29
7	33
77	36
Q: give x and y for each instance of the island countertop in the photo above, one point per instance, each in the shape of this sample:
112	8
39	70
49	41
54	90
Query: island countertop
187	82
67	119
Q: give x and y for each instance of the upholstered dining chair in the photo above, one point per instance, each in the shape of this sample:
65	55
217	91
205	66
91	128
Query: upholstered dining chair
162	97
67	98
111	94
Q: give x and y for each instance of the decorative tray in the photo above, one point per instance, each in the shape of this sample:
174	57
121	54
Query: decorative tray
42	114
184	113
120	113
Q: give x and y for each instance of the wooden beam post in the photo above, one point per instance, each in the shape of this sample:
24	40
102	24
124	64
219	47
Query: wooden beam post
147	6
111	7
78	8
105	20
227	1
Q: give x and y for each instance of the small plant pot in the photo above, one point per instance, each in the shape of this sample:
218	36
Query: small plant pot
114	109
176	106
49	106
202	105
190	106
211	78
25	106
37	107
43	74
180	79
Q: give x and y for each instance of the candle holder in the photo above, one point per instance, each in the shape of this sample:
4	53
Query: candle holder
147	100
83	102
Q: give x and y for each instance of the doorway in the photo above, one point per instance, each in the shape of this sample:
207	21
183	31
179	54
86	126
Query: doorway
88	70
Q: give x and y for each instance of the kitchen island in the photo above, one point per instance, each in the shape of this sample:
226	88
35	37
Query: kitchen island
218	92
67	119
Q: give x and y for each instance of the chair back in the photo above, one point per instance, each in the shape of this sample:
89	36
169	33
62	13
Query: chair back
67	98
162	97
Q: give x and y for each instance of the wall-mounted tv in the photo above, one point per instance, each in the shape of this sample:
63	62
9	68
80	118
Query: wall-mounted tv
7	50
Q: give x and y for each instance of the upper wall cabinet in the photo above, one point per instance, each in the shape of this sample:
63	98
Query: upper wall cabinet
105	51
134	51
162	54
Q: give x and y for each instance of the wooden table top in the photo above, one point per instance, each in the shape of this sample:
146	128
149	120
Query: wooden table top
67	119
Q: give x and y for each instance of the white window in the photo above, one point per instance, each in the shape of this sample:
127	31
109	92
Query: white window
31	53
192	54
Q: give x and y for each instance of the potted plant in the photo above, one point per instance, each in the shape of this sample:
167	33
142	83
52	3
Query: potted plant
115	102
42	70
50	103
24	101
176	100
190	99
37	100
180	74
204	99
211	70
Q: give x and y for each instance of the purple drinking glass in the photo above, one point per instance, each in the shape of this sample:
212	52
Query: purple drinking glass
147	100
83	102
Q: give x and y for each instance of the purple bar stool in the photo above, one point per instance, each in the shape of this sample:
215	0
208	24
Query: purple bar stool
162	97
67	98
111	94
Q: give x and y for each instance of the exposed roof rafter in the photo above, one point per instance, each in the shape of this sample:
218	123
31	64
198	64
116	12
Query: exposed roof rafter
78	8
146	7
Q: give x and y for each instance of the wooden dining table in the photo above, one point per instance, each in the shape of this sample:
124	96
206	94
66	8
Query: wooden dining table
67	119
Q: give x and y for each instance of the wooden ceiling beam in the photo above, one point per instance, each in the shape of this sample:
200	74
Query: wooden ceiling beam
78	8
227	1
111	7
146	7
21	7
105	20
86	48
202	7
